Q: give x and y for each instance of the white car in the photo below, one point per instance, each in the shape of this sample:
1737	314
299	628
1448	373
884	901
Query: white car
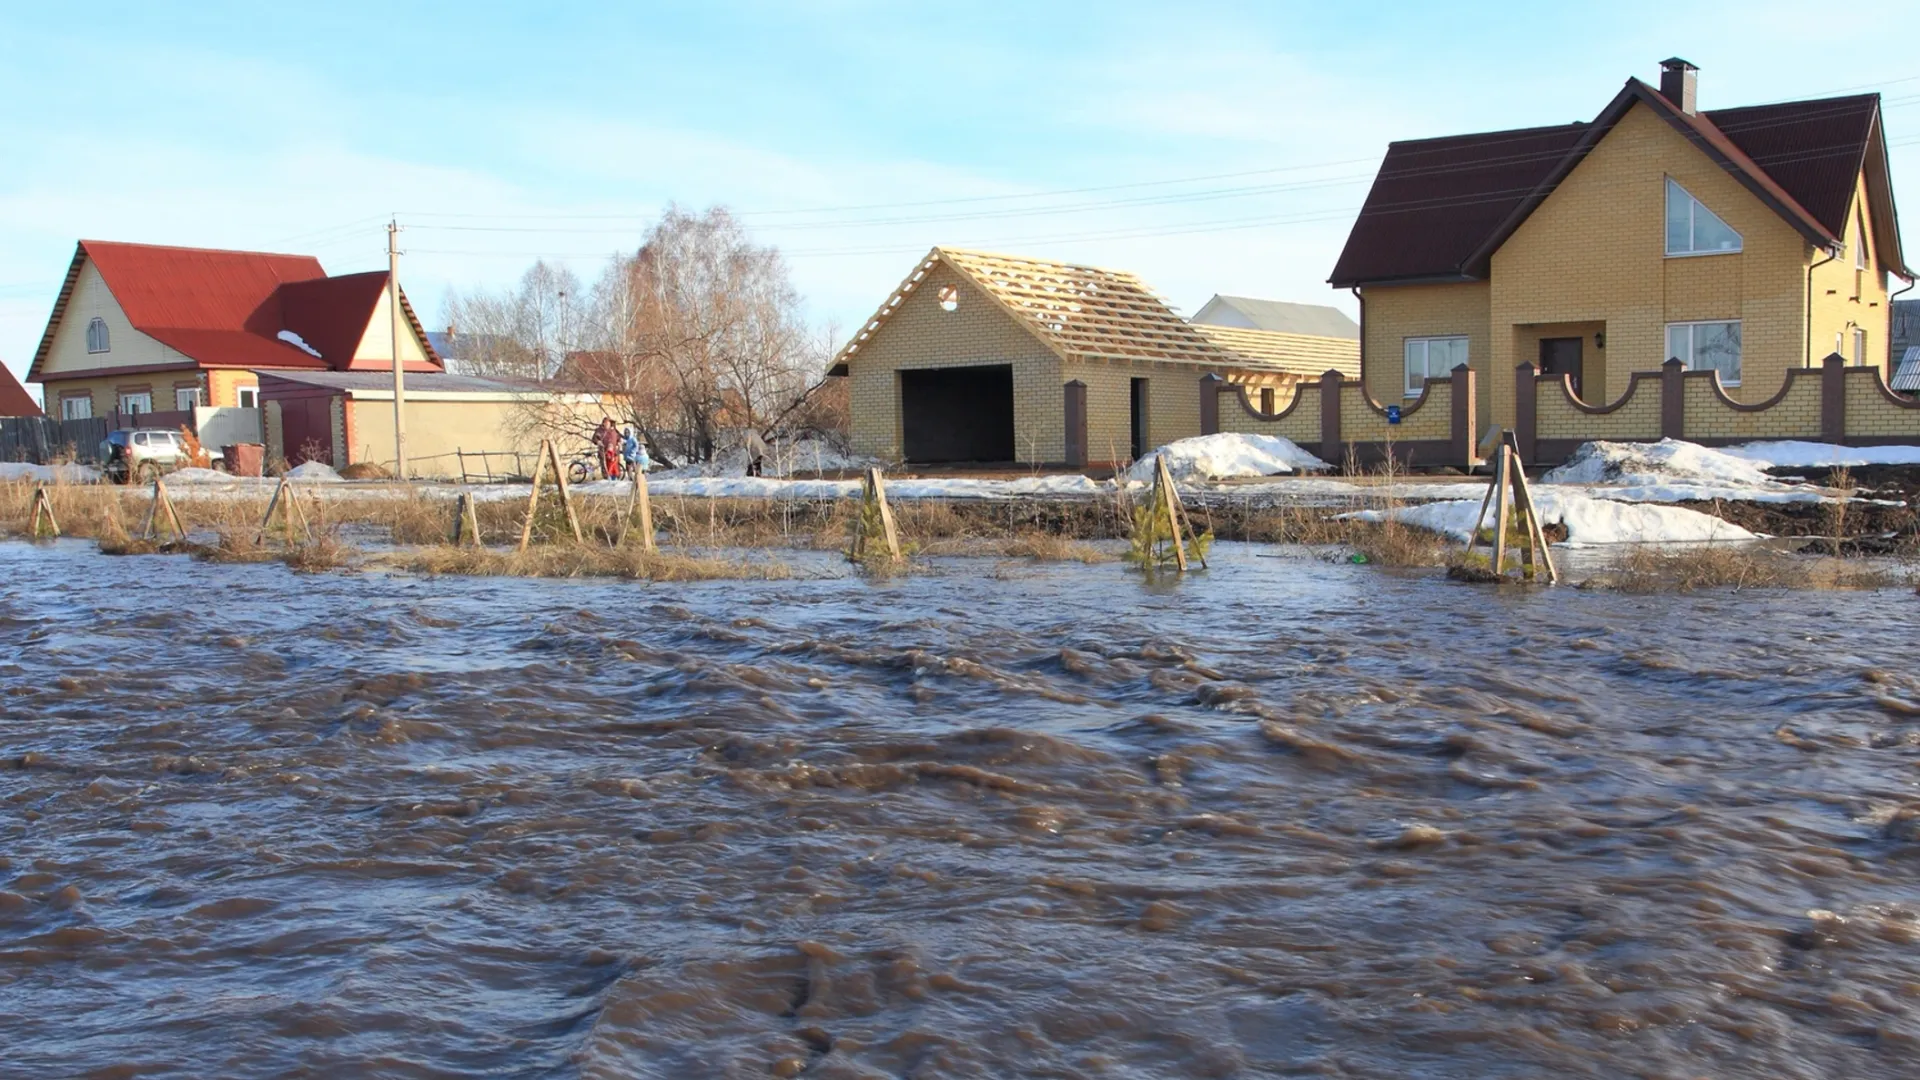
138	453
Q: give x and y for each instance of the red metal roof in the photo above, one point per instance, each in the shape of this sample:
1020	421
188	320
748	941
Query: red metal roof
1439	208
14	399
226	309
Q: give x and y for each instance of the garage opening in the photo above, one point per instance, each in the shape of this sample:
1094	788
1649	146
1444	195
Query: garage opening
957	414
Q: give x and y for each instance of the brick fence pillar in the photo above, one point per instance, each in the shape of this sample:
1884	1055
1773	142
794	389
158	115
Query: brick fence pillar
1526	412
1076	435
1833	398
1210	385
1330	384
1673	399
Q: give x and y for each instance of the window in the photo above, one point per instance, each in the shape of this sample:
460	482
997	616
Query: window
1266	400
1707	346
949	297
1860	241
248	396
1432	358
76	408
1860	346
1692	229
141	402
186	398
97	340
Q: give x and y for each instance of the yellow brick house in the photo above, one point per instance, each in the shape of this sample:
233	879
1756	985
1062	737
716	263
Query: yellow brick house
1751	241
1001	359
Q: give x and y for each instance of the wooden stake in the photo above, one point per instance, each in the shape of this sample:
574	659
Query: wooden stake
466	522
877	490
1163	483
1500	513
549	456
288	503
637	500
533	497
1539	555
162	512
42	512
566	496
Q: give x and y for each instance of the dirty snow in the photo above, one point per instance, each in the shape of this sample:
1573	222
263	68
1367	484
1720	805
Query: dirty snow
22	472
1667	461
1791	454
1588	520
300	343
1227	455
199	476
781	459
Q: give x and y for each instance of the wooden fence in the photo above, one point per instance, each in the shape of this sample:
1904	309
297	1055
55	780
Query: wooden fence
43	440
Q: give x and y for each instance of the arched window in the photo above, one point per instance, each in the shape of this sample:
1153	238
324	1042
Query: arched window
97	336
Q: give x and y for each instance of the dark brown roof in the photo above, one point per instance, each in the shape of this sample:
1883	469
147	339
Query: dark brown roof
1439	208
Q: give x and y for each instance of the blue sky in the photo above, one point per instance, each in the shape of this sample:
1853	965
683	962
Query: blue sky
1206	147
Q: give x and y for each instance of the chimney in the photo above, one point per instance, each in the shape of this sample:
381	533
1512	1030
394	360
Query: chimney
1679	83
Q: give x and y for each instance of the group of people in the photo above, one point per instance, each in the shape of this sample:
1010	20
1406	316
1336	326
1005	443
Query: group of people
621	452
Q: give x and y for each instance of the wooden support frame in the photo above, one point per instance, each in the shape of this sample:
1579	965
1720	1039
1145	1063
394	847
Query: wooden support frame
161	512
638	501
1509	494
287	502
548	456
874	491
1166	496
43	525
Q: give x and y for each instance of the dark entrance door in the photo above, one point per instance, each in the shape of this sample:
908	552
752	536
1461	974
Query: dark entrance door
957	414
1139	414
1561	356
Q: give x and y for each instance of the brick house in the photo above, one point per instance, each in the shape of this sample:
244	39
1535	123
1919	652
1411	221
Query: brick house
170	333
1752	241
995	358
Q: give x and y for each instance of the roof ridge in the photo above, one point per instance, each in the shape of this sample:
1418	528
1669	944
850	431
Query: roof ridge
200	250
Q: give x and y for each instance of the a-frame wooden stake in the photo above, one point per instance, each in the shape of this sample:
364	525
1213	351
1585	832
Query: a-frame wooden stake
288	504
1510	494
161	513
466	522
548	457
1163	494
638	502
872	492
43	526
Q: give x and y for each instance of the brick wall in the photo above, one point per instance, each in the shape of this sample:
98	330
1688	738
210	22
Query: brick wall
1436	429
1395	313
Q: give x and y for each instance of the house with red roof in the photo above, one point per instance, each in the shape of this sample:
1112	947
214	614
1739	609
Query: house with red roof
1748	242
14	399
147	329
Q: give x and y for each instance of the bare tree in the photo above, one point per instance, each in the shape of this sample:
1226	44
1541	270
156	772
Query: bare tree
524	333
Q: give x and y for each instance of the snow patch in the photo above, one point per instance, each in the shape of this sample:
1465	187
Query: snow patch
22	472
1651	464
1588	520
1227	455
1789	454
781	459
300	343
198	476
315	472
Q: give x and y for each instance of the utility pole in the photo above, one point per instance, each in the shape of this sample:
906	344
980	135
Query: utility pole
399	378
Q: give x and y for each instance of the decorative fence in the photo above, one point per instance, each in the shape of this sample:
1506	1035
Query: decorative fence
1337	420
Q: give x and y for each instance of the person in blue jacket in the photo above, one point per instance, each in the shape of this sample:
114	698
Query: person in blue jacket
634	454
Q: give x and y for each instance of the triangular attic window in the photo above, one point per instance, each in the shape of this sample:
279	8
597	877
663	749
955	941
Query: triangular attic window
1692	229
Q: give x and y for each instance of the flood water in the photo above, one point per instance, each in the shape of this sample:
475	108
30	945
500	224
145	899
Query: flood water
1284	818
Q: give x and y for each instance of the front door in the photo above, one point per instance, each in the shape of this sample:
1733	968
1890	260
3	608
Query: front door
1138	410
1561	356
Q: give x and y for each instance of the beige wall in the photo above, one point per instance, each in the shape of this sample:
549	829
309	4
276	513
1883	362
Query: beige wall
1595	252
127	347
1173	406
1395	313
377	342
1844	297
979	332
438	426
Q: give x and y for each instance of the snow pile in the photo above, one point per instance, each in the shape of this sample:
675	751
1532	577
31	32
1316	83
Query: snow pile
1665	462
1588	520
199	476
300	343
22	472
1226	455
1812	455
315	472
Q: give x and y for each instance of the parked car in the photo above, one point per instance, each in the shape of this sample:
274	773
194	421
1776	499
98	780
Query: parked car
138	453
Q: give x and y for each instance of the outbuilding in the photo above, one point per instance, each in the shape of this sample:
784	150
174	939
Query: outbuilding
998	359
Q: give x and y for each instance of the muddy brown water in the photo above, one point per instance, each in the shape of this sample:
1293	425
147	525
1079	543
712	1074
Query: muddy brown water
1284	818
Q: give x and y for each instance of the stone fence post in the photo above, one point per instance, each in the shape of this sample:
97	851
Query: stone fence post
1833	398
1210	387
1526	411
1330	384
1673	399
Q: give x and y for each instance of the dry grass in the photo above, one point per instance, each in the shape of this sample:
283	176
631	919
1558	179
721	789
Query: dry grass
582	560
1723	566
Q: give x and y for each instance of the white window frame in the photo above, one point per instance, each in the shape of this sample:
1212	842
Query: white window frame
1666	191
1860	253
144	409
79	407
1860	346
248	396
1415	386
101	342
192	402
1687	360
